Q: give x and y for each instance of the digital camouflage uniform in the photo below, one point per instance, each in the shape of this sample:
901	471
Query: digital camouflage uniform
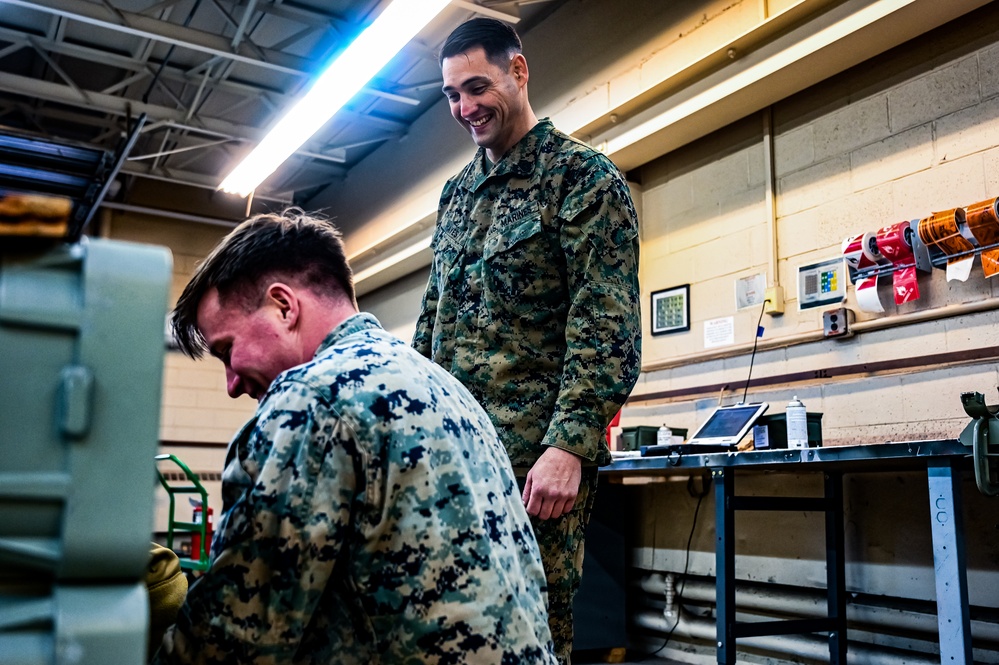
533	304
370	516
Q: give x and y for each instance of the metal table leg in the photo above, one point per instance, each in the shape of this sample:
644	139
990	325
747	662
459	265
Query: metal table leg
950	572
725	564
835	567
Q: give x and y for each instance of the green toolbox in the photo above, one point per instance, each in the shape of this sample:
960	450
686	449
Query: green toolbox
81	364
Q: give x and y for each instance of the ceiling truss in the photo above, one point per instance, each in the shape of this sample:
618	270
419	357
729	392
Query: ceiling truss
211	77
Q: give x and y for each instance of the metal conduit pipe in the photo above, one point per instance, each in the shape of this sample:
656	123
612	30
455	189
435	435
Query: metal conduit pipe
808	604
806	646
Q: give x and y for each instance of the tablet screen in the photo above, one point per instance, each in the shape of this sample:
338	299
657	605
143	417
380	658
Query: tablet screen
728	424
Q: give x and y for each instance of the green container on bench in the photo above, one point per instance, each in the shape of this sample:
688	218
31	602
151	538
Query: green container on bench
633	438
772	429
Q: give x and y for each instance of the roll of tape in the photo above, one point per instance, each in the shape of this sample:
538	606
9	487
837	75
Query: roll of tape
869	246
867	295
852	250
982	220
942	231
859	257
895	245
905	285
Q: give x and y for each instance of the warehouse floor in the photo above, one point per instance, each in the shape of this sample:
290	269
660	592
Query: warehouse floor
632	657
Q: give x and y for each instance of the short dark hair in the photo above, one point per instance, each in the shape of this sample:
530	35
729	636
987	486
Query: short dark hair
302	248
498	39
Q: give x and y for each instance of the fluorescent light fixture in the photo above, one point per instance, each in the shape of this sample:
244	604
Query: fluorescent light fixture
346	75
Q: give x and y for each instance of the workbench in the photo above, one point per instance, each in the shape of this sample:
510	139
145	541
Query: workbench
942	461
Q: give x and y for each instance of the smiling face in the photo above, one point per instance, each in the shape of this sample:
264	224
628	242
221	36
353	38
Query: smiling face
254	346
488	100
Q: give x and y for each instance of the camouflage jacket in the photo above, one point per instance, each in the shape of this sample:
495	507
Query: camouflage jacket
370	516
533	299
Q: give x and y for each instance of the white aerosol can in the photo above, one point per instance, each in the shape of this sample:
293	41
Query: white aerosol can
664	436
797	424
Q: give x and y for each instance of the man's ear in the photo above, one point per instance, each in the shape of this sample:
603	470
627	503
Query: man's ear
518	67
285	301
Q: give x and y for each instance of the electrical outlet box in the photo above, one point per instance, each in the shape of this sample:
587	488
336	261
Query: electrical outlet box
774	304
837	322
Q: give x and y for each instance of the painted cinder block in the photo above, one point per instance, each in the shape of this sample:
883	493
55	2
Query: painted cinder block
936	395
990	164
900	155
971	331
794	150
850	127
867	401
813	186
193	379
175	397
694	227
945	186
213	399
988	71
736	252
968	131
722	177
944	90
673	196
704	373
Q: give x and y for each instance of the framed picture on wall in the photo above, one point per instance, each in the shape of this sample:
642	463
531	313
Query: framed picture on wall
671	310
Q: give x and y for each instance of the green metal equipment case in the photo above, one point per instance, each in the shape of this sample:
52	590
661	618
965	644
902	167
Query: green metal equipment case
81	362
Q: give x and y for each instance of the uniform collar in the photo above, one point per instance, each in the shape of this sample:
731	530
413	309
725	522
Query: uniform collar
353	324
518	160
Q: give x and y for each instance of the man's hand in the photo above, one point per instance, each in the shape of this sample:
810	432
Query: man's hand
552	484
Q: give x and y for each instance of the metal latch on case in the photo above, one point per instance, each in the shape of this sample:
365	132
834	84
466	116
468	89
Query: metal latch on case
76	391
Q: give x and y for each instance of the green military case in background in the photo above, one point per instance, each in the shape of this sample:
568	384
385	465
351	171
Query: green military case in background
633	438
81	362
772	428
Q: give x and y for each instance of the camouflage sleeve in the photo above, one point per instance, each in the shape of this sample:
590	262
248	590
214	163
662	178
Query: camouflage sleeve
599	235
278	542
422	338
424	334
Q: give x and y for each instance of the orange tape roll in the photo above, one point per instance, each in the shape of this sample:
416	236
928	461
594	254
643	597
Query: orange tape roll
943	231
983	222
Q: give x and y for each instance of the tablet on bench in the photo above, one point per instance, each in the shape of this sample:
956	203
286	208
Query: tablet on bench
721	432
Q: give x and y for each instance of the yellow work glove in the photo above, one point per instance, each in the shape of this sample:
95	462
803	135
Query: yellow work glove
167	587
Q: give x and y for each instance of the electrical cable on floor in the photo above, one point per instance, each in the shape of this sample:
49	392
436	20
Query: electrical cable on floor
706	488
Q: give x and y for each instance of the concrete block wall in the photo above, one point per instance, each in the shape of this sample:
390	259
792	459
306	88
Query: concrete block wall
195	406
913	132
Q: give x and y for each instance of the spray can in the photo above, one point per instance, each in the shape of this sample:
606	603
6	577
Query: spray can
664	436
797	424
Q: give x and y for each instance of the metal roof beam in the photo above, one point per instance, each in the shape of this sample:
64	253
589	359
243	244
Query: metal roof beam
177	177
119	106
193	76
151	28
174	118
311	17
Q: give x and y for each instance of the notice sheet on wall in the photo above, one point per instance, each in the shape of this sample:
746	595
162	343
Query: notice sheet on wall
719	332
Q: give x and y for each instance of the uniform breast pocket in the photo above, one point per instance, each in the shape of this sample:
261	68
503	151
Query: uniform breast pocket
520	271
445	249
